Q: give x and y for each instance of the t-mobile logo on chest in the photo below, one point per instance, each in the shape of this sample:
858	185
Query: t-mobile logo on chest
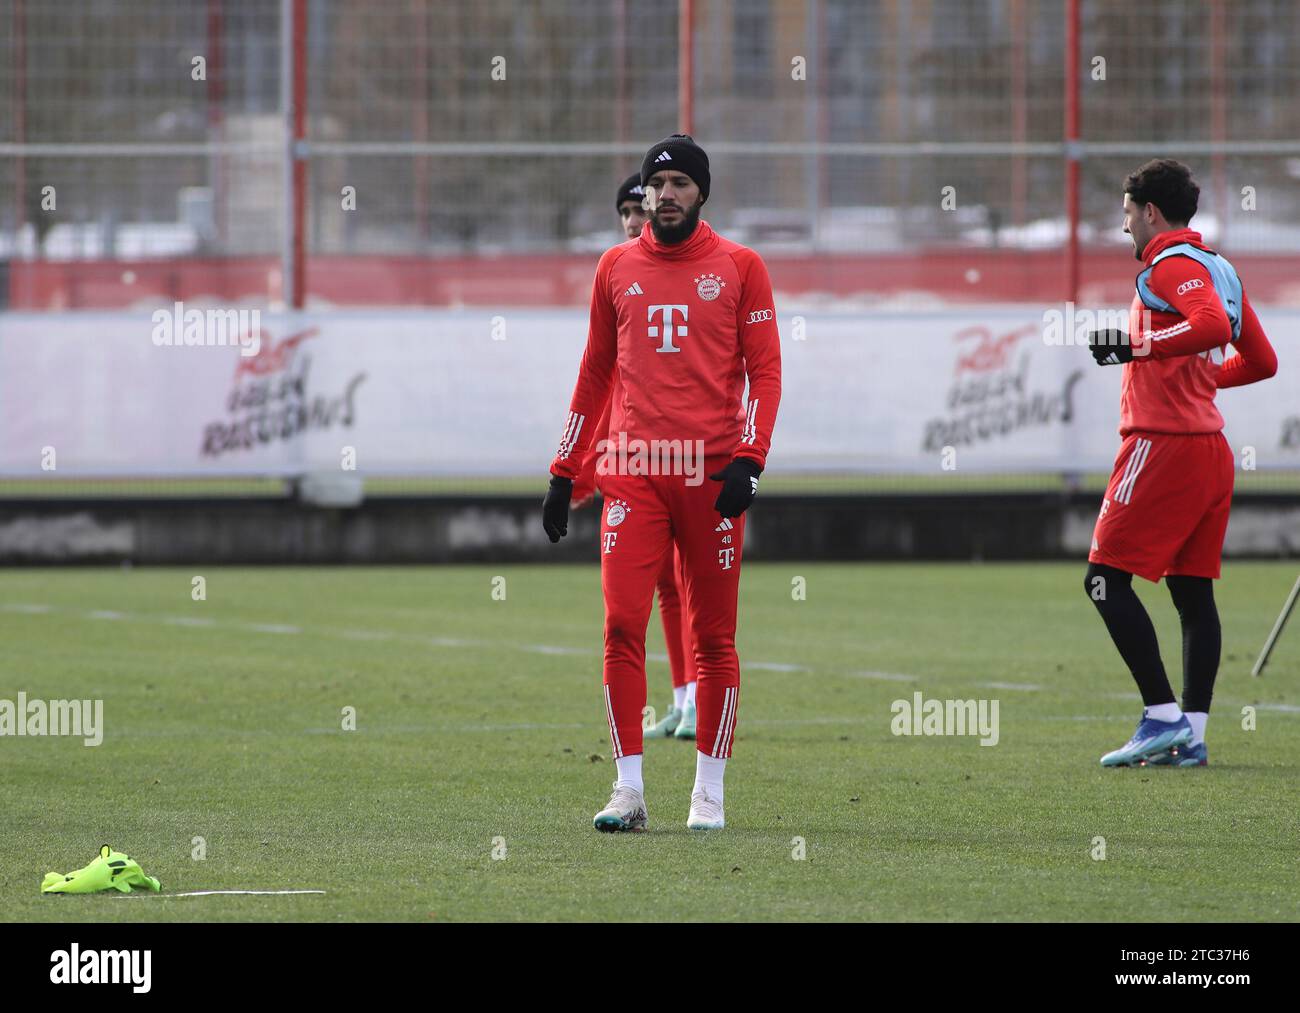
666	327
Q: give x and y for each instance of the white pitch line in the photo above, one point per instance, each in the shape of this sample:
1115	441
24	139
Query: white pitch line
558	650
250	893
555	649
1080	717
882	676
436	729
523	726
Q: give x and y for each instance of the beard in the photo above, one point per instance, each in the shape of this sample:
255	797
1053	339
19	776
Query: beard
670	235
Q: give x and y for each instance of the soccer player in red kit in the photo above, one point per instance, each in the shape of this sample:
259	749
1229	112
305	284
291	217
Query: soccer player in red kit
679	720
1166	506
686	316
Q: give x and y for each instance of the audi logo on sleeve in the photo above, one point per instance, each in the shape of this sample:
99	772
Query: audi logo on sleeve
1187	286
758	316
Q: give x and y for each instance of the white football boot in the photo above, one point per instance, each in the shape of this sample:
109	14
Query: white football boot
706	812
626	811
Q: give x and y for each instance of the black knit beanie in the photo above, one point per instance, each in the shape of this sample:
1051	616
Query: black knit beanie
630	189
678	152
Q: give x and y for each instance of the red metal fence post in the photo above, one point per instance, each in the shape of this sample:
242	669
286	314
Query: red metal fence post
1072	148
686	66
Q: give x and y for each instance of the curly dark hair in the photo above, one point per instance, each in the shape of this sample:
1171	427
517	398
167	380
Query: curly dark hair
1168	185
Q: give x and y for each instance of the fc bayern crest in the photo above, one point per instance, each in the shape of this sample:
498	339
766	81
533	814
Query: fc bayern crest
709	286
618	511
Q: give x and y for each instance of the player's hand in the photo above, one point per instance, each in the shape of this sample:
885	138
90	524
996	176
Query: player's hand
739	486
555	508
1110	347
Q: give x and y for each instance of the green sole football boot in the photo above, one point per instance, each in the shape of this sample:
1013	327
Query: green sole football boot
686	729
625	812
665	728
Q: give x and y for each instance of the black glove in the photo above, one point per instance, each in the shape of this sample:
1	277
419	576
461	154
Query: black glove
1110	348
555	508
739	486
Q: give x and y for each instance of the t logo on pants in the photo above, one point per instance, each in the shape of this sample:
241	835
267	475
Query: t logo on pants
610	537
725	556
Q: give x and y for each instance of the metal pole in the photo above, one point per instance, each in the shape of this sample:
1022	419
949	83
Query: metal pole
620	83
299	156
686	66
293	107
1019	111
216	121
1277	629
813	162
1218	119
287	244
420	123
19	43
1072	148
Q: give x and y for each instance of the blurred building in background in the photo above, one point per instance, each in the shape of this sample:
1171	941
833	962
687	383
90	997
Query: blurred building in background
484	139
414	194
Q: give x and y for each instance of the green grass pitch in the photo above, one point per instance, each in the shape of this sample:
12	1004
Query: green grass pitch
480	728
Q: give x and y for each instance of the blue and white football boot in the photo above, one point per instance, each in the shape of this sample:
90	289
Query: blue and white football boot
1181	756
1151	737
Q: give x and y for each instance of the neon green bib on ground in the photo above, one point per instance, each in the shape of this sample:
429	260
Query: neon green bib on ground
111	870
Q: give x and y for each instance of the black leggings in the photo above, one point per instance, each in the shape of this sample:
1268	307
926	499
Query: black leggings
1111	590
1202	638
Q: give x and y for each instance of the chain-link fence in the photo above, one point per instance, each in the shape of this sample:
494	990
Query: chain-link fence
470	129
876	152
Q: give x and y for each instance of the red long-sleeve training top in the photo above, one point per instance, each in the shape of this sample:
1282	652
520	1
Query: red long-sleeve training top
1178	361
684	324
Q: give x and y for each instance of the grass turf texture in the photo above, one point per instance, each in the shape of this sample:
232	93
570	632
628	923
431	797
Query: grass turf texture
857	484
480	719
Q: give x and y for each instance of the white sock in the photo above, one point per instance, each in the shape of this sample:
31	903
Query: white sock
629	772
709	771
1164	712
690	694
1197	721
679	697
